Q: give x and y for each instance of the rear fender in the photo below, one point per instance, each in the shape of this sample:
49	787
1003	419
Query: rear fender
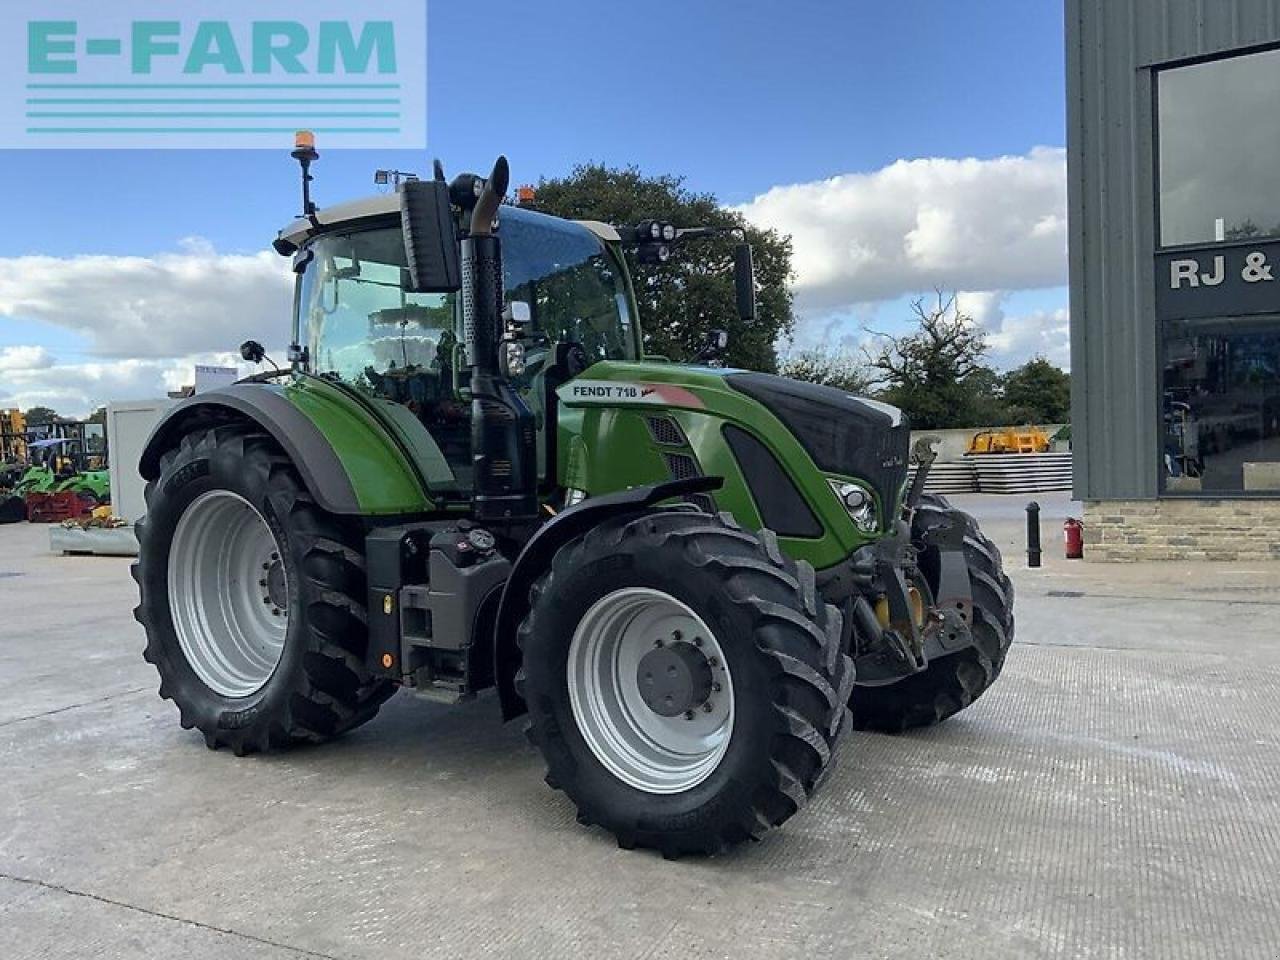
536	556
348	461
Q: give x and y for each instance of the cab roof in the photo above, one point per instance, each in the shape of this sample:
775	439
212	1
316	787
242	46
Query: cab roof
298	231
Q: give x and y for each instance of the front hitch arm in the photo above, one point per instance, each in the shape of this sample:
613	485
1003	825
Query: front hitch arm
923	455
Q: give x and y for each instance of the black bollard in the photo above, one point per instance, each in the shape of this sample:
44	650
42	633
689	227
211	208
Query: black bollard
1033	534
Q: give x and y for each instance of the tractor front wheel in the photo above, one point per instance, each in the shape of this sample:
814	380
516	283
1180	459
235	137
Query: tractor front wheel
951	683
253	598
684	679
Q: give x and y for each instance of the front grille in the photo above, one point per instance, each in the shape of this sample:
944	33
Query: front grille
841	433
681	466
666	432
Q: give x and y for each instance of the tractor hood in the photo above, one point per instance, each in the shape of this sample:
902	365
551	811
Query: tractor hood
841	433
775	441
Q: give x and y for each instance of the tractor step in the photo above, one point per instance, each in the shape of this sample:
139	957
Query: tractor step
445	693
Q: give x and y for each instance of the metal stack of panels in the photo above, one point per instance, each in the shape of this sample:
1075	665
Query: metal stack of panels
950	477
1022	472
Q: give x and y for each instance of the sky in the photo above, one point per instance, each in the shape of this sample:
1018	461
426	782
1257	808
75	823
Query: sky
904	146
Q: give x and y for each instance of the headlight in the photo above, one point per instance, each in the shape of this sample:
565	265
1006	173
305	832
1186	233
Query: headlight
858	503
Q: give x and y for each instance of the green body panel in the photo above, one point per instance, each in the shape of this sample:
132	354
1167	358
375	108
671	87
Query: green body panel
373	447
36	480
43	480
97	482
605	445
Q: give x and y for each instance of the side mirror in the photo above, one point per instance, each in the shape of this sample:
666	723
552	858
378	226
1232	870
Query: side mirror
744	282
518	313
430	242
252	351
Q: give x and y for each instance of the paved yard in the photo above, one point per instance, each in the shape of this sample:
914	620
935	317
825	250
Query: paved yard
1117	794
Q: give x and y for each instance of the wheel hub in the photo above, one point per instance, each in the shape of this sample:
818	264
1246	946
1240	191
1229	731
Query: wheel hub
277	589
228	593
655	709
674	678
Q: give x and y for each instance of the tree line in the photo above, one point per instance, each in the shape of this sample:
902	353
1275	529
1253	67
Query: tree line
936	373
937	376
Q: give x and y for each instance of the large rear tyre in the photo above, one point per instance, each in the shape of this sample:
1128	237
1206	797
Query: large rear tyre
252	597
684	679
951	683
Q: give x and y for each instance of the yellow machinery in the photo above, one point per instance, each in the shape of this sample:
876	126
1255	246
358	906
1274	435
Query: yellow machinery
13	436
1010	440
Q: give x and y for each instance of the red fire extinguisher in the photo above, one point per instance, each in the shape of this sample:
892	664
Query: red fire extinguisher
1073	530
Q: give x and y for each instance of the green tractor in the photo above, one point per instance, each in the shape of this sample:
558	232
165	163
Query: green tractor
64	468
691	580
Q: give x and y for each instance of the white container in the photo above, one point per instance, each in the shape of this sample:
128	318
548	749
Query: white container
128	427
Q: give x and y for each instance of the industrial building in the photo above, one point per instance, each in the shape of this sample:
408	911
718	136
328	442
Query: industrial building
1174	181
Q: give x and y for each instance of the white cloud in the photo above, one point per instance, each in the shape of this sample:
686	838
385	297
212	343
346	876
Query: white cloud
915	225
1041	333
1014	339
165	306
76	389
24	358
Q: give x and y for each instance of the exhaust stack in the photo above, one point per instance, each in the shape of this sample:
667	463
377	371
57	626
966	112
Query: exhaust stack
503	432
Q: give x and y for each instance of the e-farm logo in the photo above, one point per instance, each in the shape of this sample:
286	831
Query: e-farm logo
210	74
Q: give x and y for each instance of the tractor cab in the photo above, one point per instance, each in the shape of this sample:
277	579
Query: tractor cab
566	290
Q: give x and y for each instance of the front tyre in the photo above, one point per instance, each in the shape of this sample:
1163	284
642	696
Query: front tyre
252	597
685	682
949	684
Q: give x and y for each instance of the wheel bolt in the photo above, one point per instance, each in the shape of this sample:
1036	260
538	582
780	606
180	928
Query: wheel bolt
267	601
676	635
262	583
658	642
688	714
697	641
266	566
706	707
715	688
275	556
275	611
713	661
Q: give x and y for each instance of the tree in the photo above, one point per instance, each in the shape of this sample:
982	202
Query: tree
845	371
1038	392
41	415
936	373
692	293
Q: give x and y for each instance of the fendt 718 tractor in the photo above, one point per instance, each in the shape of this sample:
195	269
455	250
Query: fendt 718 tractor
691	579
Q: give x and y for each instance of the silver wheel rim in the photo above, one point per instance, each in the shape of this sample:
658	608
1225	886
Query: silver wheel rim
648	751
228	593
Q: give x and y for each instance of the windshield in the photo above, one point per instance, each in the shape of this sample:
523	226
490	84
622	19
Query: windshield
574	289
359	324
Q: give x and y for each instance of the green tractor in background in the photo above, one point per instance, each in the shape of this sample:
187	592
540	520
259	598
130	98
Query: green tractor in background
63	467
691	579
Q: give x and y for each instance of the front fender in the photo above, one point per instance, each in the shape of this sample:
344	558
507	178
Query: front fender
536	556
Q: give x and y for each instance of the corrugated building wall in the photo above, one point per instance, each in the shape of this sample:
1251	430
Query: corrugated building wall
1112	46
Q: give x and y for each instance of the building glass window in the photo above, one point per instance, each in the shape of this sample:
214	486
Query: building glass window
1222	406
1219	128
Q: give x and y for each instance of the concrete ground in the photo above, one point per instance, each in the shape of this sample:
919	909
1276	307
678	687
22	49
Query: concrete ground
1116	794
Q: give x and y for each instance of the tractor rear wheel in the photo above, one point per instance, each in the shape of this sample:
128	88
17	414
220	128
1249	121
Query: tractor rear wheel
253	599
951	683
684	679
